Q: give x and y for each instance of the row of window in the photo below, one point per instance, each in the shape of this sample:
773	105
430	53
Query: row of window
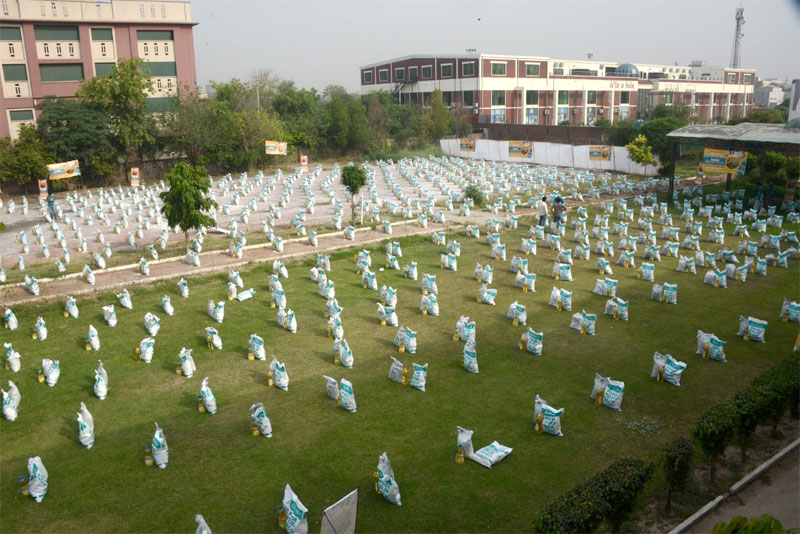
532	97
445	71
73	72
70	33
499	69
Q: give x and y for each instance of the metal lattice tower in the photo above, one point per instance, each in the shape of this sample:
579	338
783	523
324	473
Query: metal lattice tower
736	54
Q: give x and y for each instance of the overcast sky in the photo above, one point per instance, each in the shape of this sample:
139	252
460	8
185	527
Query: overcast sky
322	42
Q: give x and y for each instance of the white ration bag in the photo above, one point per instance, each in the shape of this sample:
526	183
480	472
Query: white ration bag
517	313
166	305
235	278
429	305
607	392
160	448
51	370
752	328
144	267
110	315
790	311
13	361
342	353
187	362
183	287
487	295
647	272
617	308
125	299
246	294
256	347
202	526
100	382
40	329
152	324
296	521
410	341
531	342
546	418
279	375
37	479
258	415
397	371
710	346
385	482
487	456
10	320
469	357
219	312
146	347
331	387
420	376
213	338
667	369
9	406
231	291
346	395
85	427
209	401
71	308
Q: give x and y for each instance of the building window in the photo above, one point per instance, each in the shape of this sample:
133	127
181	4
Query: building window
102	34
447	97
153	10
58	49
469	98
4	4
624	112
61	72
162	68
591	97
56	33
367	76
446	70
15	73
71	49
427	72
468	69
412	74
498	116
532	116
558	72
46	49
65	8
169	84
731	78
563	97
10	33
158	84
163	11
103	48
531	69
166	49
103	69
563	114
141	10
155	48
531	98
21	115
413	98
746	78
591	115
99	10
498	69
498	98
668	98
44	9
11	50
53	9
399	74
625	97
383	75
146	49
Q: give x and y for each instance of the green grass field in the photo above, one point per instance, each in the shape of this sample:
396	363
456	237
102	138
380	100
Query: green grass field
235	480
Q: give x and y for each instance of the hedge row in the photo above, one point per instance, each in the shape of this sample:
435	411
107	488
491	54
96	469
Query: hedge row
609	495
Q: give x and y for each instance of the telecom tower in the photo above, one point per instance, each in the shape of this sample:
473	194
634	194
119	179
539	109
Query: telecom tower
736	54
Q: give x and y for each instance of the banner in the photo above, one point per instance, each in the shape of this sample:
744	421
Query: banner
466	145
67	169
304	160
600	153
275	148
724	161
520	149
134	176
340	517
42	188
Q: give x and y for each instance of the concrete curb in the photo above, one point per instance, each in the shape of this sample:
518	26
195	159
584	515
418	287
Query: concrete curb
736	488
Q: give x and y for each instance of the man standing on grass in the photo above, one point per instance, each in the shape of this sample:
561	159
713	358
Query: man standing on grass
51	205
541	209
558	210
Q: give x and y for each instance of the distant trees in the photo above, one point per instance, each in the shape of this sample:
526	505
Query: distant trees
25	159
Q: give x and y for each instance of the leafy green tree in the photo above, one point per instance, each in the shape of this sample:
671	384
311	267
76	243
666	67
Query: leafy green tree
474	192
441	123
766	524
769	116
359	133
378	119
640	152
565	122
122	95
768	169
677	466
783	109
677	111
75	129
713	430
656	131
235	94
186	198
462	125
302	113
353	178
622	132
338	124
190	128
25	159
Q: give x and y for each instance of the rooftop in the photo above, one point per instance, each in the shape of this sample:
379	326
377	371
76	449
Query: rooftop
745	132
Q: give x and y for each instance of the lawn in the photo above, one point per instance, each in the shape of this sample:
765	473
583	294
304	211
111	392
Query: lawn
218	469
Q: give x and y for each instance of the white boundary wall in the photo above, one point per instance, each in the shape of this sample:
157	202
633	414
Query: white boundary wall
576	156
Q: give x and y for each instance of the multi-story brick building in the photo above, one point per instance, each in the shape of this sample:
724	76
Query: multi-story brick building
541	90
49	47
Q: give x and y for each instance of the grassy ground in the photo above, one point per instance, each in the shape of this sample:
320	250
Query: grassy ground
235	480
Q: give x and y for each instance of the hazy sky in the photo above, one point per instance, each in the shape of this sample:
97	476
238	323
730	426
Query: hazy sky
322	42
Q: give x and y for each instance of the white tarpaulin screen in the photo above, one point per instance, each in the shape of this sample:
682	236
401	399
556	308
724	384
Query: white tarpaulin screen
550	154
340	517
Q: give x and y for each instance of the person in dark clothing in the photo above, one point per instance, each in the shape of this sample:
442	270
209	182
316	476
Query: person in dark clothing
558	210
51	205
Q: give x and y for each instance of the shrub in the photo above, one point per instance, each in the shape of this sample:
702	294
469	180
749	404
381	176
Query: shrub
713	431
474	192
677	465
609	495
784	380
740	525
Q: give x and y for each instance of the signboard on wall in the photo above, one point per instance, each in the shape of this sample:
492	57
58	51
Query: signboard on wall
42	188
134	176
600	153
724	161
66	169
520	149
466	145
275	148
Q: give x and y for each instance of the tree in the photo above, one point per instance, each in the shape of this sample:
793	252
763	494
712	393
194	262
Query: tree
74	129
378	120
302	114
235	94
656	131
123	96
474	192
267	83
191	128
338	123
24	160
713	430
677	465
359	133
441	123
353	178
622	133
186	199
640	152
677	111
769	116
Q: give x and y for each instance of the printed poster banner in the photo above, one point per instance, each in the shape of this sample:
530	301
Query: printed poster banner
275	148
724	161
600	153
134	176
67	169
42	188
466	145
520	149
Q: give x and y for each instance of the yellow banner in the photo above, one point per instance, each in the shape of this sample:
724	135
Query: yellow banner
466	145
275	148
520	149
600	153
67	169
724	161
